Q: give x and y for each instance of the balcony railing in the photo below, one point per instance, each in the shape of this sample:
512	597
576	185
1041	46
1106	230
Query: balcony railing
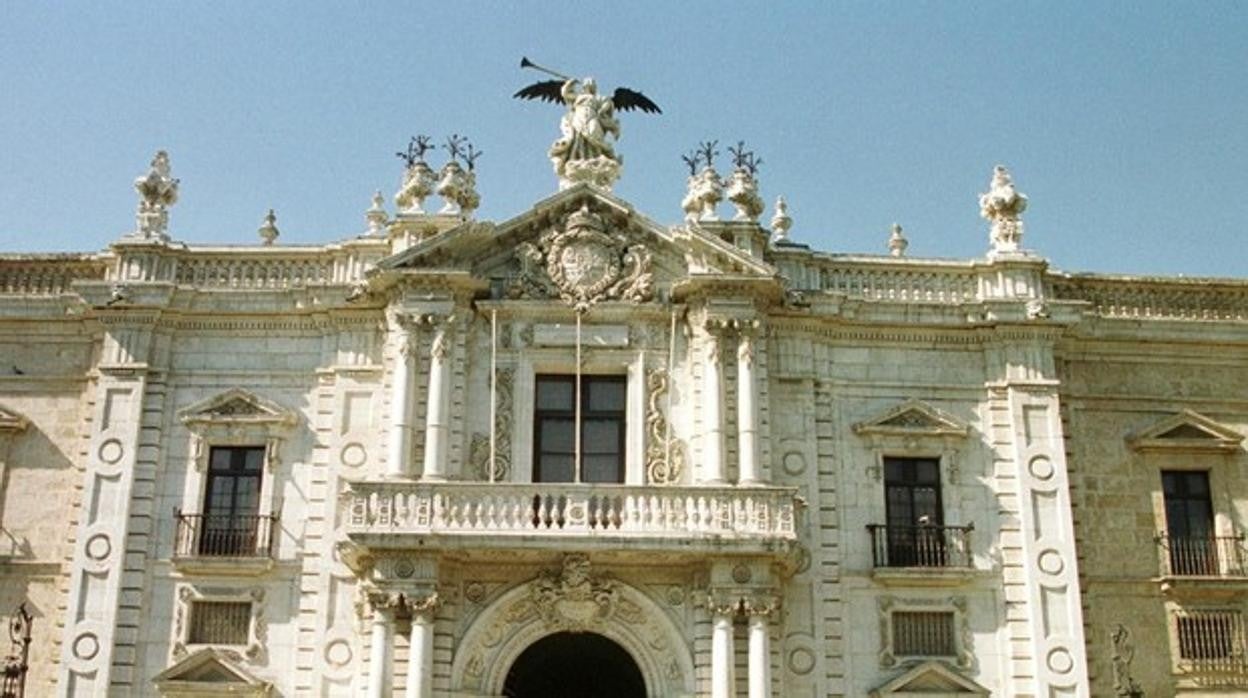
234	535
503	511
921	546
1208	556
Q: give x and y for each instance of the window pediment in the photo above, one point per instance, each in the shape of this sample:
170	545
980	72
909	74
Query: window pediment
913	418
237	407
1186	431
930	680
237	417
209	671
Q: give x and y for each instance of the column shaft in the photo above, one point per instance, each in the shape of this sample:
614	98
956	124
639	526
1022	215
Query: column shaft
379	654
437	425
760	657
420	657
712	415
399	452
721	657
749	472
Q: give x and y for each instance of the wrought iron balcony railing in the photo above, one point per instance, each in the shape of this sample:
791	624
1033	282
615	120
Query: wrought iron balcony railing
1211	642
1202	556
921	546
508	512
234	535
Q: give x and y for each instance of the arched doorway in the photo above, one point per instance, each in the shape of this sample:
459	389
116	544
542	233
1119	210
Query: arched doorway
574	665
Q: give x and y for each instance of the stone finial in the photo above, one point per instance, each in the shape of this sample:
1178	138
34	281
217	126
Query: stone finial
897	242
1003	205
376	215
268	230
780	221
157	192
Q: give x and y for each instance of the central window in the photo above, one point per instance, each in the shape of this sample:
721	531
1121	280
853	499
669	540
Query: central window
600	430
232	501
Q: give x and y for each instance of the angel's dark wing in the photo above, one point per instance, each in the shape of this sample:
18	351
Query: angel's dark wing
546	90
626	100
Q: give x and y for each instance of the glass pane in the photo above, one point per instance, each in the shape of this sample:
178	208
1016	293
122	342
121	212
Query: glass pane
221	458
556	435
606	395
601	436
255	460
603	468
554	393
554	468
926	472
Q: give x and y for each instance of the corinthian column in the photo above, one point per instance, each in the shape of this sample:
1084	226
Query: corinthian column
712	410
749	471
437	416
420	654
399	450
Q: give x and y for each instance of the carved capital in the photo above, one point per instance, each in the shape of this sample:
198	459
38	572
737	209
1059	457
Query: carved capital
765	605
720	603
423	605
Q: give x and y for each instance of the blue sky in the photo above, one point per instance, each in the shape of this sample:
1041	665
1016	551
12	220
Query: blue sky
1126	123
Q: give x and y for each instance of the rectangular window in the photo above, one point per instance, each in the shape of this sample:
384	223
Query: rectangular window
232	501
913	512
603	403
219	622
924	634
1189	523
1211	640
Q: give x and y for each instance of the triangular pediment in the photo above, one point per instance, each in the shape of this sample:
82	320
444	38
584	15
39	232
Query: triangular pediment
913	418
930	680
1186	431
11	421
520	246
238	406
209	671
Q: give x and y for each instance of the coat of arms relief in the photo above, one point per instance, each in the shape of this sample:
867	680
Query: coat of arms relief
584	261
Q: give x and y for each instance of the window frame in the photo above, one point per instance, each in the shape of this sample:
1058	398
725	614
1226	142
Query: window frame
587	382
963	639
188	595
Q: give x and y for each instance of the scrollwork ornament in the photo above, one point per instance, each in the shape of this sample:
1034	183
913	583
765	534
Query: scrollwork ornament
665	455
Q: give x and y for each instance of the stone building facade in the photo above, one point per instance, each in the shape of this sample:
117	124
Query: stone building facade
449	457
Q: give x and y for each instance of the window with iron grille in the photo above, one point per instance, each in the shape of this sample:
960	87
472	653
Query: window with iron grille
924	634
219	622
1211	639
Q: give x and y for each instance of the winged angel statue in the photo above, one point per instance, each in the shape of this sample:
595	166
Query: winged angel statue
585	152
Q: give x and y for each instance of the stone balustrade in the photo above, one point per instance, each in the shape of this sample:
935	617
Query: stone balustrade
497	511
237	271
879	279
46	275
1150	298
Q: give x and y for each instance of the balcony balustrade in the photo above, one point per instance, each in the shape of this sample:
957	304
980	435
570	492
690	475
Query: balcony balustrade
925	546
226	536
752	519
1207	556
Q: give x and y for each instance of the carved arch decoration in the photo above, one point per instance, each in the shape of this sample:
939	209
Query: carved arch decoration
573	599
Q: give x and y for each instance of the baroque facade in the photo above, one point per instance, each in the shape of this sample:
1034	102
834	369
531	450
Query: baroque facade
459	458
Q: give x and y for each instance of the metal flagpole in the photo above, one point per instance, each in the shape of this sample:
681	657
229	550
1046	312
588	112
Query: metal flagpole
577	390
493	390
671	388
